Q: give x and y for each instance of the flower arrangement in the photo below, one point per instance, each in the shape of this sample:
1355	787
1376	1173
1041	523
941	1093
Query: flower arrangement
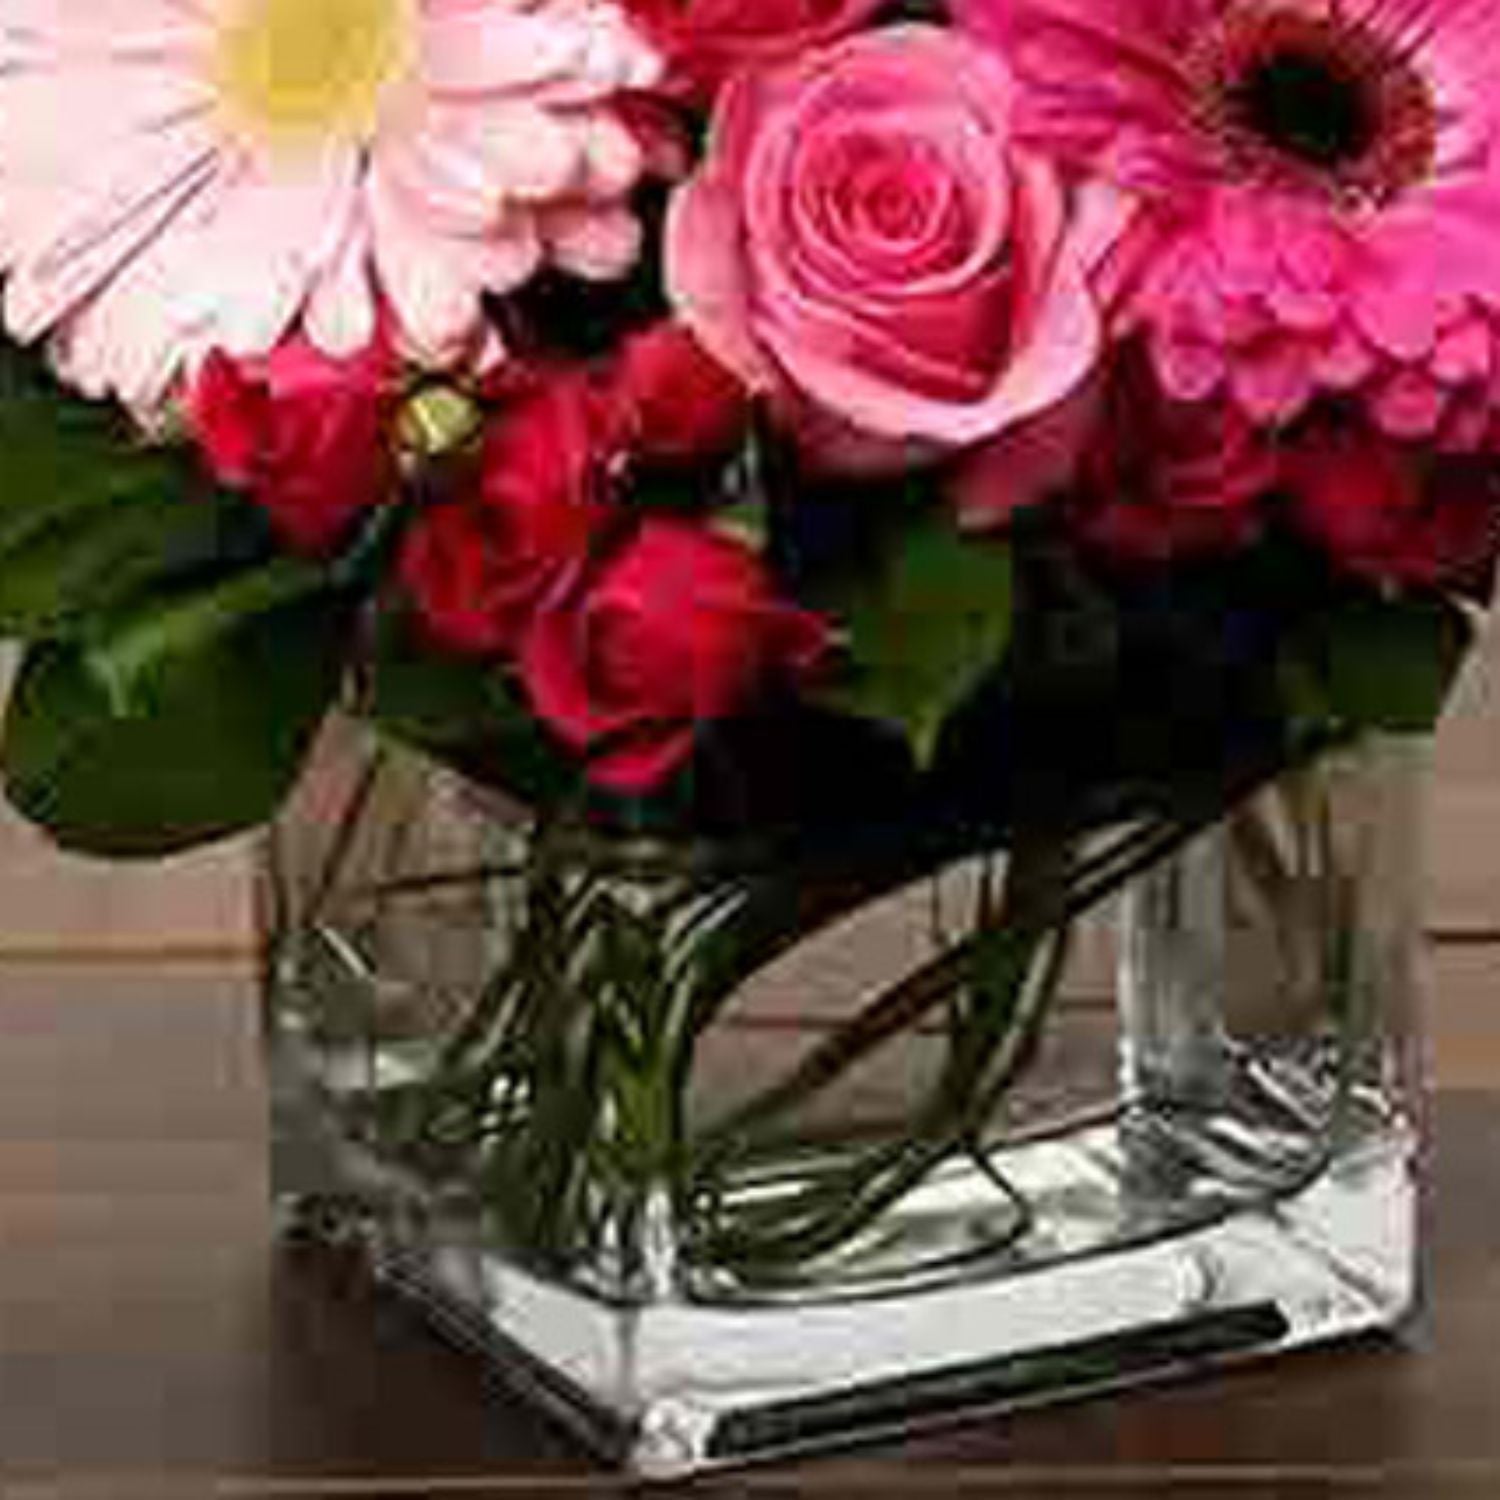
756	455
736	416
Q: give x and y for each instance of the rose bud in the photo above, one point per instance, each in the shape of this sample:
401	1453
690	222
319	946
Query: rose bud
303	434
477	566
679	627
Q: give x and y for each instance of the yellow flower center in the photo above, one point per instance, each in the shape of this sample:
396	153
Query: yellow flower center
295	71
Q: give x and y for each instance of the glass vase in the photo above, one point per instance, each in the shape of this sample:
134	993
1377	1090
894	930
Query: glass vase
720	1154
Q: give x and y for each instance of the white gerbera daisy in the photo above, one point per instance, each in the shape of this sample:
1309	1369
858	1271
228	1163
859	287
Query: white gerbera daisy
182	174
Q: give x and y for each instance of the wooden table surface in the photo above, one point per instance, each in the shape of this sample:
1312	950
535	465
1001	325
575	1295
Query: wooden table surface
153	1344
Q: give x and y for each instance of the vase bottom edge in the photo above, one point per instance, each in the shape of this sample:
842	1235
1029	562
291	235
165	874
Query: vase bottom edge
677	1385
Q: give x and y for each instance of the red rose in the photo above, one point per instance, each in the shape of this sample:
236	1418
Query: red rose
680	405
1391	513
302	433
679	627
704	41
477	566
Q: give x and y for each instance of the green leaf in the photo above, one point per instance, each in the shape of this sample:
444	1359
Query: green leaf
89	515
925	623
73	564
176	722
135	652
59	453
1377	663
465	713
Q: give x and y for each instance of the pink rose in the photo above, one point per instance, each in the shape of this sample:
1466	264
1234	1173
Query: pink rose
866	244
477	565
704	42
302	433
680	626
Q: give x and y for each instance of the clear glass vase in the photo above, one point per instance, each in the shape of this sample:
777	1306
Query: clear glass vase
723	1155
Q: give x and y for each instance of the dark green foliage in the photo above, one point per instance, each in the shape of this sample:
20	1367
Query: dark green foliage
1374	663
174	723
175	670
925	624
89	517
464	712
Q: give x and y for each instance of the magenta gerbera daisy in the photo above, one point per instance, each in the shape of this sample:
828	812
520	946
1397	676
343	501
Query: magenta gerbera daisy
182	174
1317	186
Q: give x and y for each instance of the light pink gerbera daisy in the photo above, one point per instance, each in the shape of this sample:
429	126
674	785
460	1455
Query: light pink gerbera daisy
1318	185
182	174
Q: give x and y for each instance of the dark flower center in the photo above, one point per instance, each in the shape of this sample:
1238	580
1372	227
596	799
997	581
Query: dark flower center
1309	106
1325	103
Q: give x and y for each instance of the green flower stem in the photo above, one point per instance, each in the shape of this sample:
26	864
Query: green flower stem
1007	994
567	1078
907	1004
1045	888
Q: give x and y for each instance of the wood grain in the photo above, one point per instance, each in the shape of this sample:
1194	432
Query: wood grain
153	1345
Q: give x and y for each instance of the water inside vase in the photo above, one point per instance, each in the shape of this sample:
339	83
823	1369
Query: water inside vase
1214	1117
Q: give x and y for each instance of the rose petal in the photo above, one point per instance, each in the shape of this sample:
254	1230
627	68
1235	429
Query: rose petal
706	277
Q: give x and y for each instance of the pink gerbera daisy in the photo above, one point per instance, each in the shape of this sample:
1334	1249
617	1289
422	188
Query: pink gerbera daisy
182	174
1318	191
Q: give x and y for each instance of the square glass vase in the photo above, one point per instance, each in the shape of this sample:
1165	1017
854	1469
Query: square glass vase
721	1156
